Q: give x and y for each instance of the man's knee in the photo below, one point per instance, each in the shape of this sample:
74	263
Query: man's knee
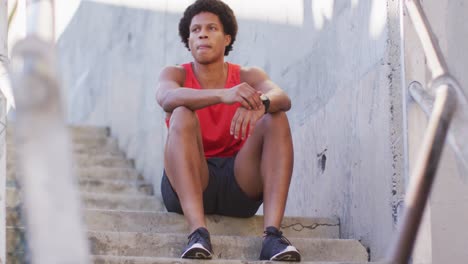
183	119
277	120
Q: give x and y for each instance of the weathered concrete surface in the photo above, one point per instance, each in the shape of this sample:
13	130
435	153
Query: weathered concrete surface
227	247
123	187
444	233
121	225
86	143
86	161
143	260
339	63
82	131
169	245
103	201
163	222
98	172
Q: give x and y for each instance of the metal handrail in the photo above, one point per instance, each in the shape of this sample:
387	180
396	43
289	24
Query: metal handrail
446	90
424	173
54	224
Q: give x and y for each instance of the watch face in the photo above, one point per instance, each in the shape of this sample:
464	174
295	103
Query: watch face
265	101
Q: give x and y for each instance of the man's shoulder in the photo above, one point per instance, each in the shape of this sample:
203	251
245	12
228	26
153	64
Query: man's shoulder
174	68
251	69
252	73
173	72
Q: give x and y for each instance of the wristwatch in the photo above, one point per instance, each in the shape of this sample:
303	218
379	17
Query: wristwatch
265	101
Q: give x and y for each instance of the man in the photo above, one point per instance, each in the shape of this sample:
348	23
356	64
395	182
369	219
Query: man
229	145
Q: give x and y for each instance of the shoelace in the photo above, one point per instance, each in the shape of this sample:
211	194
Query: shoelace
197	235
279	234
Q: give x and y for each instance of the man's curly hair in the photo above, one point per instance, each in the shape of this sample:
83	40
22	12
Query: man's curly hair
217	7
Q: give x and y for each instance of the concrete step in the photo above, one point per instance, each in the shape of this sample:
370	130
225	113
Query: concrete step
13	198
224	247
123	187
80	157
89	130
103	201
122	202
14	217
96	173
111	149
74	130
163	222
96	150
75	140
149	260
79	144
85	161
134	248
15	245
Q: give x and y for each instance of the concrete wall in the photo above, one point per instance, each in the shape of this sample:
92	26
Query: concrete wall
445	229
338	60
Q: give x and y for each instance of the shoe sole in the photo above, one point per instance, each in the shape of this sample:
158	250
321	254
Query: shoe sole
197	252
290	254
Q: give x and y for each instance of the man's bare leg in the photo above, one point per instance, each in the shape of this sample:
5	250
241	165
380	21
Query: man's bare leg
185	164
264	165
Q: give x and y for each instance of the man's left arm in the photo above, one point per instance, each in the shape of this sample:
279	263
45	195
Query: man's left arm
258	79
244	118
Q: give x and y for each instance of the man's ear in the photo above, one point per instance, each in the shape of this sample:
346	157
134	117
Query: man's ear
227	40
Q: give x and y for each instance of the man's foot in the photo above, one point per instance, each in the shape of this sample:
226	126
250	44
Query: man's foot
199	245
278	248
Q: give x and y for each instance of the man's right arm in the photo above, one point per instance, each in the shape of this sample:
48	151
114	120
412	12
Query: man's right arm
171	93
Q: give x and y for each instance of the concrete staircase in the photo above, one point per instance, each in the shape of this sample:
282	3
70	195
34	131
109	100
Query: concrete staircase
127	223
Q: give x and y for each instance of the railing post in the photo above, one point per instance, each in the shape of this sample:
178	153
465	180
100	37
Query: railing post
450	103
51	204
424	174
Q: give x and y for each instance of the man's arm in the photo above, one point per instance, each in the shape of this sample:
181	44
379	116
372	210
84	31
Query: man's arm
258	79
244	117
170	93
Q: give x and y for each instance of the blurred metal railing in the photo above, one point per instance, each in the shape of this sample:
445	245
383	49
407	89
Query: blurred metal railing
447	106
54	225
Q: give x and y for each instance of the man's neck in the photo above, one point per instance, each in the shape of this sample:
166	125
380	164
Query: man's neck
211	75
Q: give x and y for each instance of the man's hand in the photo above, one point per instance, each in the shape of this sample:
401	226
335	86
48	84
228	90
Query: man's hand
243	119
244	94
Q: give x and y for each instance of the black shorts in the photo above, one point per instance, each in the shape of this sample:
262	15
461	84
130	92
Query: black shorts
222	196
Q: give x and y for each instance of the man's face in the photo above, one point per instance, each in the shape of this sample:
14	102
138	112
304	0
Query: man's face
207	40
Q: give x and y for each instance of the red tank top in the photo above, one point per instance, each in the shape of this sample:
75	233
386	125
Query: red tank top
215	120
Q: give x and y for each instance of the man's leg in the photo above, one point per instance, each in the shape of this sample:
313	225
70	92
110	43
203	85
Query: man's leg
186	166
264	165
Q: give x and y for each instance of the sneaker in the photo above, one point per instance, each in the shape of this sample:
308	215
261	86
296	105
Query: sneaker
199	245
278	248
